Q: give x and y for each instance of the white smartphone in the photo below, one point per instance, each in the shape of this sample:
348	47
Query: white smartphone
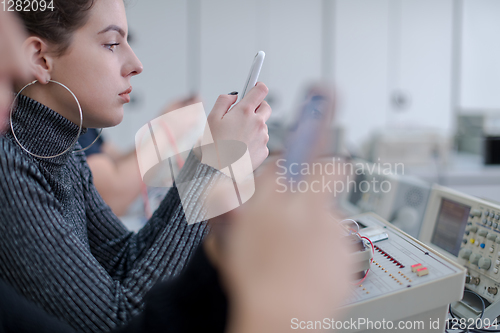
253	76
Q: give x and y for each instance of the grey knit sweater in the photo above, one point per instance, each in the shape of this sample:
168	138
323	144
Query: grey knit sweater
60	244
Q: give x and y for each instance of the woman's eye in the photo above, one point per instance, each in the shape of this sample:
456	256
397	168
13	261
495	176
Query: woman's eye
111	46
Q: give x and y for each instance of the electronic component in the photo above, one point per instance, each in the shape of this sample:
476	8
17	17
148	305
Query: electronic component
361	256
467	230
408	281
399	199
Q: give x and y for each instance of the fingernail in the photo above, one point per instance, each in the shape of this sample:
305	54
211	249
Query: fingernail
233	93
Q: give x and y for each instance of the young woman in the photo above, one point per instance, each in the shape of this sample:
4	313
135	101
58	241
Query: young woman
60	244
275	259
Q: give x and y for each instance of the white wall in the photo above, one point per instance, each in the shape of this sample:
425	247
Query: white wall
372	48
233	31
225	39
228	45
425	64
388	46
159	38
361	65
294	46
480	65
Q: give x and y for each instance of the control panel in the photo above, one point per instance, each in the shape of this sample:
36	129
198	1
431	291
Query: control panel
467	229
378	188
407	279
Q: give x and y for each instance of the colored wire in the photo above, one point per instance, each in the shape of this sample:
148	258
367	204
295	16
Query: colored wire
373	247
371	260
356	223
475	329
363	279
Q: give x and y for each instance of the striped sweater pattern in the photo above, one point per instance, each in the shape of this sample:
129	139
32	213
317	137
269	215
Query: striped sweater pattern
63	248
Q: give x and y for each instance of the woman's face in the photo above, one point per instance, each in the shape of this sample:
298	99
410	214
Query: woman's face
97	67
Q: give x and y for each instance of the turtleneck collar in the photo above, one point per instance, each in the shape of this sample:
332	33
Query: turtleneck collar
43	131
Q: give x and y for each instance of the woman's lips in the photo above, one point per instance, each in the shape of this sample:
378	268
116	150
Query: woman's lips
125	95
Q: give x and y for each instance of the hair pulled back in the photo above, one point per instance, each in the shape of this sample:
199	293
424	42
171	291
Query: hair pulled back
58	25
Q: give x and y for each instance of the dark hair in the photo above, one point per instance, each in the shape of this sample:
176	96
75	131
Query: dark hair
58	25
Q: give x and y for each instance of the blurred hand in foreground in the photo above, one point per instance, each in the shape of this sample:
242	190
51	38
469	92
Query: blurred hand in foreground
281	256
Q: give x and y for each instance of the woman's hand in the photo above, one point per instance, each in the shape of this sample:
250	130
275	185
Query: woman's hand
245	122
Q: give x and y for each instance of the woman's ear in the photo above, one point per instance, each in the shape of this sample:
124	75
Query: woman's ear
39	59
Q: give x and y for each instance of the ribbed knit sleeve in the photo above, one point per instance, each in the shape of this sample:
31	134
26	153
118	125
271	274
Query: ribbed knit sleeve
194	301
164	243
63	248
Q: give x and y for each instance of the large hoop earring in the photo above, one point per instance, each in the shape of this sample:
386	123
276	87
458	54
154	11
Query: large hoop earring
90	145
79	127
